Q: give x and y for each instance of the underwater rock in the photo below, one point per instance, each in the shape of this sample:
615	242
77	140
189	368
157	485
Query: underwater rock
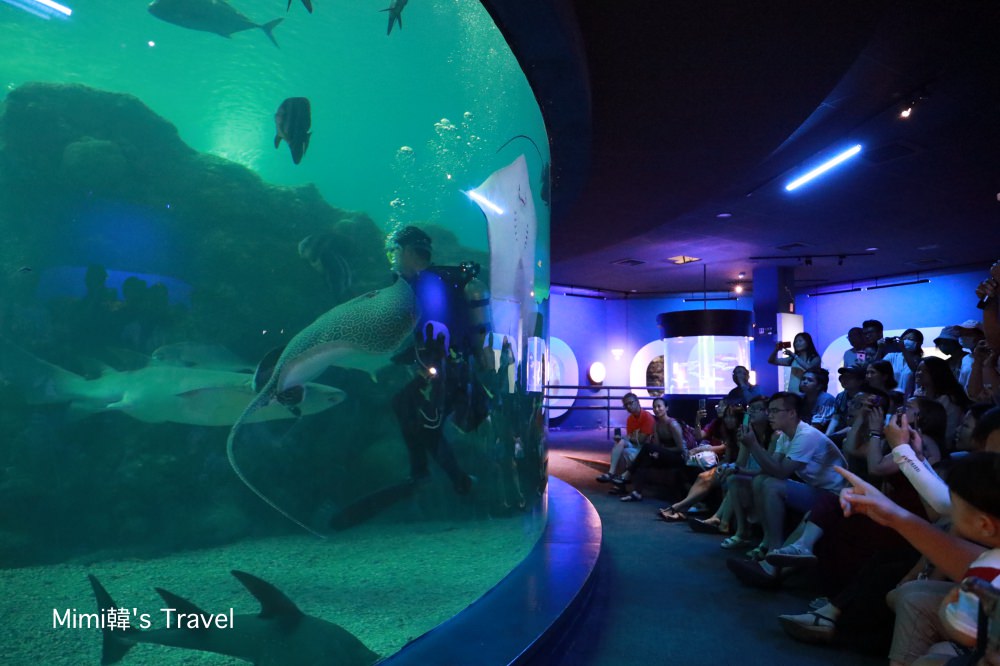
95	165
237	235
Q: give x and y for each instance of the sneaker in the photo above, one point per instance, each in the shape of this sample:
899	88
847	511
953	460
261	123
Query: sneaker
605	478
809	627
792	555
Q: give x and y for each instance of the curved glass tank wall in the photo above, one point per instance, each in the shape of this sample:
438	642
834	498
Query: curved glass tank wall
221	347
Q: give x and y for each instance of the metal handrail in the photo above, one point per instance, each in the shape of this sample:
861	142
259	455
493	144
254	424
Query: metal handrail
604	393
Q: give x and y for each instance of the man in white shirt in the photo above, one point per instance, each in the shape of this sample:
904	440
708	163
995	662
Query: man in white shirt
798	474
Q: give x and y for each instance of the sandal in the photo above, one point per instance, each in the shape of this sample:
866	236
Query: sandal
633	496
758	553
735	543
809	627
707	526
672	515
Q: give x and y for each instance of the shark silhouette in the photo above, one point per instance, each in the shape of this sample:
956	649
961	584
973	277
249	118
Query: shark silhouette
281	635
362	333
395	10
155	394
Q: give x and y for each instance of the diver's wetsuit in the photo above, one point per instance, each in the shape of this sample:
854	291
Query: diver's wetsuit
424	404
420	409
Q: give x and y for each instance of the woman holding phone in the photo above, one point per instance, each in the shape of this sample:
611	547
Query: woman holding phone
800	355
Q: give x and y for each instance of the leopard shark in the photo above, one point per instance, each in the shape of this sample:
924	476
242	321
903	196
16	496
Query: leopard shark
281	635
363	333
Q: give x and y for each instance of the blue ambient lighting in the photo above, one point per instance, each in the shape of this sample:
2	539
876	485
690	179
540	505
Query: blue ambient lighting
483	201
45	9
824	167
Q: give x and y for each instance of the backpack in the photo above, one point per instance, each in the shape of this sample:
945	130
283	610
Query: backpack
689	434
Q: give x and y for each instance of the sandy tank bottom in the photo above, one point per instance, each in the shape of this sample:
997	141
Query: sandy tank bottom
386	584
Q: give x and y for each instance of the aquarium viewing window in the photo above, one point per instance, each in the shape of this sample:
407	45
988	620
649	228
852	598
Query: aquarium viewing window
701	348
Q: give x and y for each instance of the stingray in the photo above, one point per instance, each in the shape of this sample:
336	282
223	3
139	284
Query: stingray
362	333
545	180
507	202
154	394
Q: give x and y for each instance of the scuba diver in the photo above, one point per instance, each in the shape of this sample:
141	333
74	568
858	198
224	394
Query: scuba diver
449	337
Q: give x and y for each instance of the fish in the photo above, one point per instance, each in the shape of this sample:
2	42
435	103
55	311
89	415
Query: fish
216	16
292	122
363	333
200	355
153	394
280	635
395	10
308	5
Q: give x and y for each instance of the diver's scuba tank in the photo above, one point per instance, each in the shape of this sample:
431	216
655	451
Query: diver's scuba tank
477	295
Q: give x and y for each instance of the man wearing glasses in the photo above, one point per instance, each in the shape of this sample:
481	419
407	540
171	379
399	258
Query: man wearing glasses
639	428
798	475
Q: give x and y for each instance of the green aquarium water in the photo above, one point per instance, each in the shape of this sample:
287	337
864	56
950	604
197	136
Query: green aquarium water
274	301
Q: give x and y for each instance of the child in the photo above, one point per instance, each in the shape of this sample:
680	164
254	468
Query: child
974	484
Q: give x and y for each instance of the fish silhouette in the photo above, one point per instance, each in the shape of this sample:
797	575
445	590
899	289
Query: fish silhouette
364	333
308	5
291	123
395	10
281	635
153	394
215	16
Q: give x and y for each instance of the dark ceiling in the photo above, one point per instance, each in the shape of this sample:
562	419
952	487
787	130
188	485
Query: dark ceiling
665	115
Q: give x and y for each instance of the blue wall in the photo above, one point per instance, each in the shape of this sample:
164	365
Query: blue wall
592	327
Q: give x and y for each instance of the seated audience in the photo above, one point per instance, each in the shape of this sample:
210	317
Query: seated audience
744	391
922	635
664	451
935	380
856	355
949	343
639	429
723	442
817	404
802	451
852	378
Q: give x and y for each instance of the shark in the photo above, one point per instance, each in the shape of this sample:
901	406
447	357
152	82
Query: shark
153	394
280	635
363	334
395	10
215	16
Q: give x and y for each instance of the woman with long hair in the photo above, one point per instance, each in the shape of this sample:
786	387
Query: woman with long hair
934	379
801	356
723	435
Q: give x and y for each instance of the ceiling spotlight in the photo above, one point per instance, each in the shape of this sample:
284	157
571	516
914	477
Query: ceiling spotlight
905	113
738	289
741	275
809	261
840	260
723	216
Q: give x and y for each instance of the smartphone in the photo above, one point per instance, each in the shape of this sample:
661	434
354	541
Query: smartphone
899	416
701	405
786	345
618	433
746	419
